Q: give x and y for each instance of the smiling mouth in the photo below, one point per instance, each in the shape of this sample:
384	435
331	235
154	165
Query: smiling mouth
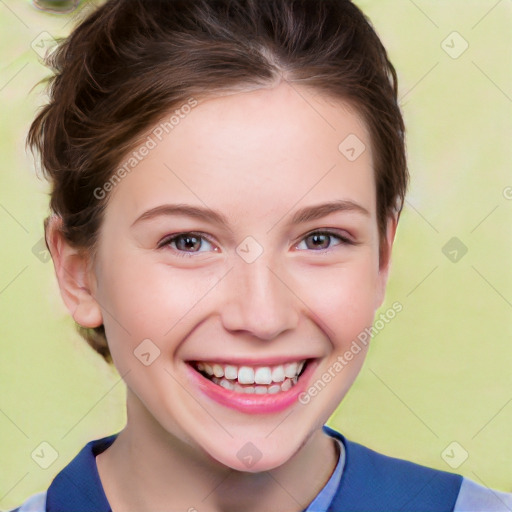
252	379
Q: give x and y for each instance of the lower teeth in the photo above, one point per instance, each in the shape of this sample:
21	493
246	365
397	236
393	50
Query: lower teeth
257	389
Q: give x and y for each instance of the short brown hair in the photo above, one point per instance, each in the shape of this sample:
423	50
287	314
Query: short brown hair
131	61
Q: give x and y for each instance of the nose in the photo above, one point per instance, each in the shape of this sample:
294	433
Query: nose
259	301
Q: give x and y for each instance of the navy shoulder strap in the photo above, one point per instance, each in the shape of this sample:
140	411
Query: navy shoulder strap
378	483
78	486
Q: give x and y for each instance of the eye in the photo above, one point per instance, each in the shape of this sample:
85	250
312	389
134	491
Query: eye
321	240
186	244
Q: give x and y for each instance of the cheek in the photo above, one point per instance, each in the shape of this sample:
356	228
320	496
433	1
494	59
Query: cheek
342	299
142	301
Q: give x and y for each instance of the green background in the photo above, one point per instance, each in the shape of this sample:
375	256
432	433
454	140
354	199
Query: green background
440	372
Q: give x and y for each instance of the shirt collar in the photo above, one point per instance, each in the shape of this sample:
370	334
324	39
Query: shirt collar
326	495
78	486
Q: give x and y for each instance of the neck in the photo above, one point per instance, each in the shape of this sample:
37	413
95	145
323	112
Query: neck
148	468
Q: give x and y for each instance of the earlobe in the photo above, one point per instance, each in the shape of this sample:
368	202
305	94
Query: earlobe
385	259
76	280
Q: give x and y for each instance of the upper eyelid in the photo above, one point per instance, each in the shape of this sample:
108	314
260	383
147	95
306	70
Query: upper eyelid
327	231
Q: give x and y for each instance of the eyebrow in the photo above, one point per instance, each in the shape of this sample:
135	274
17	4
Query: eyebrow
197	212
307	214
319	211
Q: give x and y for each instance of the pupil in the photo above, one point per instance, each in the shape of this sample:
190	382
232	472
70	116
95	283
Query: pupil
190	242
317	240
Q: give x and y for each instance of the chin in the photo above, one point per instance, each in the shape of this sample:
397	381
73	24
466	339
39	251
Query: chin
255	455
257	462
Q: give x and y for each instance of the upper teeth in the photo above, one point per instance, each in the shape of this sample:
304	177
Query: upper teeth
252	375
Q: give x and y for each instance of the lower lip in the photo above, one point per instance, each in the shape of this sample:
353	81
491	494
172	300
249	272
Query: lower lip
253	403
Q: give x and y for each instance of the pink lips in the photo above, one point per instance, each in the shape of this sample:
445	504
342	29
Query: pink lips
252	403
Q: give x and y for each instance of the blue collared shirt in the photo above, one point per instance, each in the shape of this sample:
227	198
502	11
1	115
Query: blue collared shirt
78	488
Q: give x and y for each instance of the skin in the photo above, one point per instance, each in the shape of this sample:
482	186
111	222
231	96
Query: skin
257	157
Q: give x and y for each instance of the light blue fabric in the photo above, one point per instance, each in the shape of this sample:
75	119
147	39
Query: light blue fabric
325	496
472	496
476	498
36	503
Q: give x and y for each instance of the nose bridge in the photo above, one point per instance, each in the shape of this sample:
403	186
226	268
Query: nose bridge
259	301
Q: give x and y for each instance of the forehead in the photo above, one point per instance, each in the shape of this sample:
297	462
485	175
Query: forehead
254	153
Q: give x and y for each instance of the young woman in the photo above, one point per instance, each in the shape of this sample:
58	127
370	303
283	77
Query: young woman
227	178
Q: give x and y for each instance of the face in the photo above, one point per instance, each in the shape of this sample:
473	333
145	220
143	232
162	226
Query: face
236	262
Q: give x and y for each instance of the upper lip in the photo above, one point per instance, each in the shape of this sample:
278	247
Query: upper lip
238	361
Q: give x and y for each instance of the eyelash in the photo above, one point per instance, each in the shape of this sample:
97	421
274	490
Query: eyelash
183	254
343	239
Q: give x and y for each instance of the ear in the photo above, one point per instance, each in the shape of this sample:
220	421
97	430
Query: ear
76	280
385	259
